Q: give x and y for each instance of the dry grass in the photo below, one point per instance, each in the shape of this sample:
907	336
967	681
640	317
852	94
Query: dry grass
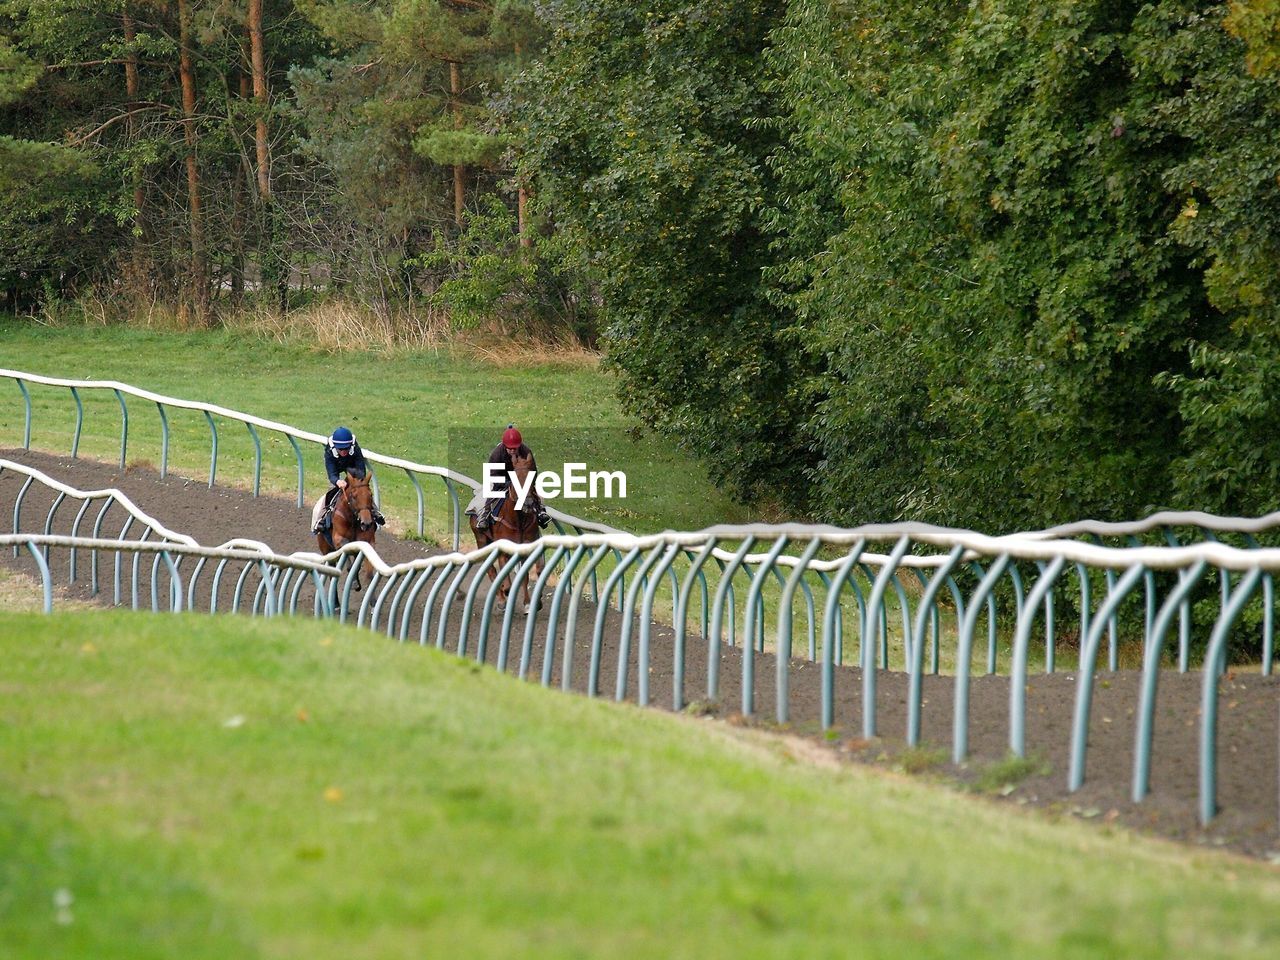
501	348
334	326
20	593
341	325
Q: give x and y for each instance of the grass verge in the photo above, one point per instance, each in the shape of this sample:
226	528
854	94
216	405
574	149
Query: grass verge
184	786
402	403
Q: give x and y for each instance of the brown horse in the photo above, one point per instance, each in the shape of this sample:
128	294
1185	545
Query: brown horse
352	520
520	526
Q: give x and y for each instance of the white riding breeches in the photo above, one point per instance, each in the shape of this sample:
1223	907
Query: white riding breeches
318	511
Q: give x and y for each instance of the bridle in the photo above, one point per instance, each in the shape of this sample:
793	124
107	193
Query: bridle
358	514
523	517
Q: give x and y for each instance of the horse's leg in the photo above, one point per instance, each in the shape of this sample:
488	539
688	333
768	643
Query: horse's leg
341	532
366	568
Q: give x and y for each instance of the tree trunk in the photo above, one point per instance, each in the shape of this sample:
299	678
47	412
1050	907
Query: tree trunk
260	97
199	268
131	88
262	103
459	171
238	211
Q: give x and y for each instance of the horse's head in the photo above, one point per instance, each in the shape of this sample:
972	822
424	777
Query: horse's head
520	466
359	497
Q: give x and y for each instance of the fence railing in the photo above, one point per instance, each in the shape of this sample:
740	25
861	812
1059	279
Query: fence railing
414	601
1203	526
415	472
270	593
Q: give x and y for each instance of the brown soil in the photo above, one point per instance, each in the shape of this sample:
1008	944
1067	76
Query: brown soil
1249	758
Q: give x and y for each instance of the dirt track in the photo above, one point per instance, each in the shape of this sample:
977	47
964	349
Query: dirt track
1249	771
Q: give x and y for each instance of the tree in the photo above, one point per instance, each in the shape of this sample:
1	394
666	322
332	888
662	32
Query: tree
637	139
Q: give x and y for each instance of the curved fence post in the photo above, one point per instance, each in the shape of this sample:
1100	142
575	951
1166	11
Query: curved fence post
873	618
164	441
417	492
602	610
419	582
457	511
964	653
124	426
490	598
680	621
75	532
749	622
213	448
75	439
782	644
26	427
46	578
1215	663
48	520
991	621
571	618
469	599
513	601
297	455
1021	652
828	634
1152	654
17	508
175	583
646	622
1088	662
447	574
927	602
628	609
535	601
717	616
257	459
553	614
93	558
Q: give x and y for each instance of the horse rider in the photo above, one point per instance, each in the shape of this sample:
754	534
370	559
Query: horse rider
341	455
512	446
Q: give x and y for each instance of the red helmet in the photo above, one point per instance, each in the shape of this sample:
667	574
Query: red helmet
512	439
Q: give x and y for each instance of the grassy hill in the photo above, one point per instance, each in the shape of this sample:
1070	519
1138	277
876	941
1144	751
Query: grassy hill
192	787
445	407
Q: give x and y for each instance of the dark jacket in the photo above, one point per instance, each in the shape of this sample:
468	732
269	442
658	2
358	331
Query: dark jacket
353	463
500	455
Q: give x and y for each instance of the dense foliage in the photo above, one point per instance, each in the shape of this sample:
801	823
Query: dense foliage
1000	264
640	127
1020	254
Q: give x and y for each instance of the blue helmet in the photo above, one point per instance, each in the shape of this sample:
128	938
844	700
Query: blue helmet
342	439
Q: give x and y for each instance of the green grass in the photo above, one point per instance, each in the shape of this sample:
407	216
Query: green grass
199	787
401	404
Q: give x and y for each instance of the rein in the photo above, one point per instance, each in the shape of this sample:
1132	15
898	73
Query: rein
520	525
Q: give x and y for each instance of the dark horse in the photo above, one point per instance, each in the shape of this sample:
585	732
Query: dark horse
509	523
352	520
